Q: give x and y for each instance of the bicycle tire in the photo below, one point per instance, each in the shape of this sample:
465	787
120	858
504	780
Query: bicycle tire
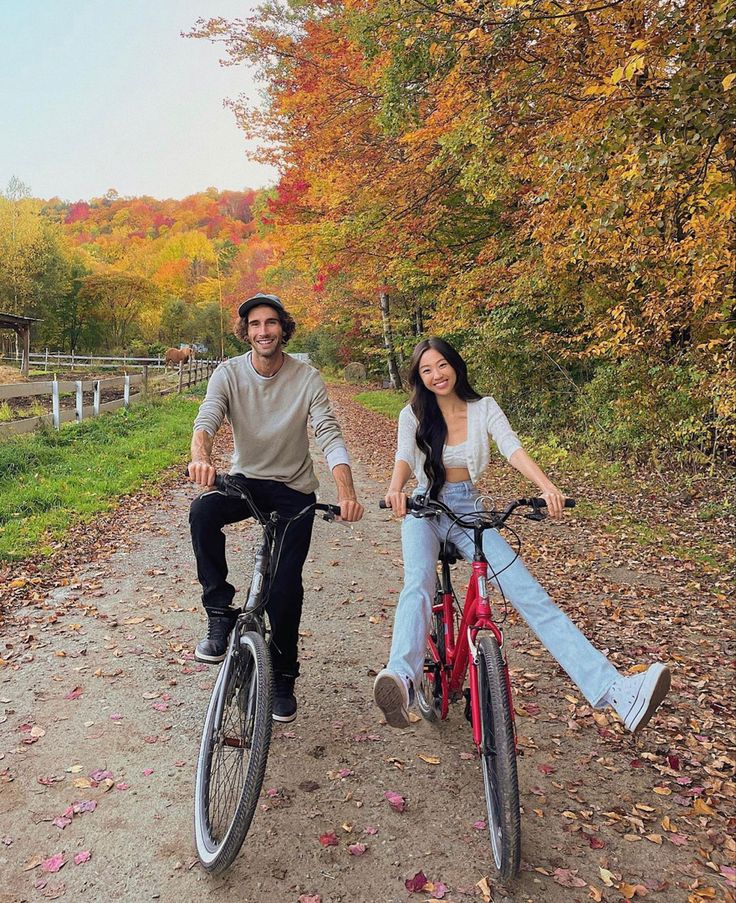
233	752
498	758
429	691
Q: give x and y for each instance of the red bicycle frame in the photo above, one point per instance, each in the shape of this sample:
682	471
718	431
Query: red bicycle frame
476	616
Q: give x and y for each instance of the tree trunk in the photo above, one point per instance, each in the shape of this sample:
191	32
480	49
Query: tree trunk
388	342
418	319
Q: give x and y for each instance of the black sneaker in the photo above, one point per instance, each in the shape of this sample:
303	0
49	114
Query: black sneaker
213	647
284	701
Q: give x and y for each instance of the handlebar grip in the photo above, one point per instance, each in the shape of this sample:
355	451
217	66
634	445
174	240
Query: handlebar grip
411	504
541	503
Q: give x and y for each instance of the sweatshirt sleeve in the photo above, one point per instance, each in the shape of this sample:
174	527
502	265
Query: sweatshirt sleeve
327	432
500	429
215	406
406	440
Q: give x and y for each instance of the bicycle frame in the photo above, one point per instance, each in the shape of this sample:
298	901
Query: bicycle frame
460	650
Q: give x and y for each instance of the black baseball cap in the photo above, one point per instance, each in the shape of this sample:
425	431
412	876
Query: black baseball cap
258	299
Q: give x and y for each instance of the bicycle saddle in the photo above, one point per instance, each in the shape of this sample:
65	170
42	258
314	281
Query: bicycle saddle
449	552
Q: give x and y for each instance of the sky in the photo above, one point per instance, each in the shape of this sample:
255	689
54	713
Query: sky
101	94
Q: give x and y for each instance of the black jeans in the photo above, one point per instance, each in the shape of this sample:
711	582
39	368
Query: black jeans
207	516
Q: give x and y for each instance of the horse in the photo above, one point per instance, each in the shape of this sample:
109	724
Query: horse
176	356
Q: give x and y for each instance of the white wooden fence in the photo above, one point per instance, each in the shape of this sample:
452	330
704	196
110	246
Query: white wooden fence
164	384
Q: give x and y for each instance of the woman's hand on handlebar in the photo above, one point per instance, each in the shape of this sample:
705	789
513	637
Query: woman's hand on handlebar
555	500
396	500
202	473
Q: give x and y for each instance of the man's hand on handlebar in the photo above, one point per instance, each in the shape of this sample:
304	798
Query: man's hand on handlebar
350	510
202	473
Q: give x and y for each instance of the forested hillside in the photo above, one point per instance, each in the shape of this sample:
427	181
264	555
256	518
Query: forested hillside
129	274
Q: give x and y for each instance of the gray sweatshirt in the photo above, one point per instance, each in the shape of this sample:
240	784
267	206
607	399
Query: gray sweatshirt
269	418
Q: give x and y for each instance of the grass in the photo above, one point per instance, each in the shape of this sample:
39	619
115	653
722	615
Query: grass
52	480
383	401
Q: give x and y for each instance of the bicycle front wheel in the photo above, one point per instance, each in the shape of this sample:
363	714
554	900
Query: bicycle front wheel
233	752
498	757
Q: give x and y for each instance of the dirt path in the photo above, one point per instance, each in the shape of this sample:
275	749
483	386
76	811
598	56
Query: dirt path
101	704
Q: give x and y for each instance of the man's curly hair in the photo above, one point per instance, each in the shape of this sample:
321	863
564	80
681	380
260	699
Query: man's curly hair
285	319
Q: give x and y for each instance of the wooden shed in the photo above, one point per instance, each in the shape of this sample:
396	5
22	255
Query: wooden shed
22	326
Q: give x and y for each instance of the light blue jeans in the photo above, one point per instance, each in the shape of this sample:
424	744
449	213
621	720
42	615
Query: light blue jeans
589	669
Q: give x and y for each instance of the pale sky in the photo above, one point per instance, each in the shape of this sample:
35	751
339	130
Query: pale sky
100	94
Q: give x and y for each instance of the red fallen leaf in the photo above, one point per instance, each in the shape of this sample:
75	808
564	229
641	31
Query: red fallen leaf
395	800
83	806
673	762
61	821
272	792
357	849
438	891
369	829
416	884
309	898
345	772
100	775
74	694
48	779
84	856
116	716
595	842
53	863
161	706
480	825
568	879
546	769
329	839
147	771
636	763
532	708
122	785
679	840
150	739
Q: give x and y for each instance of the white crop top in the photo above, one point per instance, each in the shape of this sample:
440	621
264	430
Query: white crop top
455	455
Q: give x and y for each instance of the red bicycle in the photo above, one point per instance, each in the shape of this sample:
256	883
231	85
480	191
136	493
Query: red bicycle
468	640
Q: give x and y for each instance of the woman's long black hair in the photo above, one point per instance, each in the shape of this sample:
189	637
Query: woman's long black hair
432	429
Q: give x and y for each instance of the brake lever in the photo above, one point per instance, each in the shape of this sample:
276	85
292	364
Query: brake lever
535	515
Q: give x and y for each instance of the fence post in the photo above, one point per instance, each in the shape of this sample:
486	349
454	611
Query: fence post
55	409
80	401
189	374
181	376
144	388
126	391
96	399
46	361
72	358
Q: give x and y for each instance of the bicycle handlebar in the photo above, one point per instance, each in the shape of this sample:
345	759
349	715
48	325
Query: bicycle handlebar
432	507
225	485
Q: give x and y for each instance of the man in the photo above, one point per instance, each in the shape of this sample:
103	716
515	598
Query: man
268	397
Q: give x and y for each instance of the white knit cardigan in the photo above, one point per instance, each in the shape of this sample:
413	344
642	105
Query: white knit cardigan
485	419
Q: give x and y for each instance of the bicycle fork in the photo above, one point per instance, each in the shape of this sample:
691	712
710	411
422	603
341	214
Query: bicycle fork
484	621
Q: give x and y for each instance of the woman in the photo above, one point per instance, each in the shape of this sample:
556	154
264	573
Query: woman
443	440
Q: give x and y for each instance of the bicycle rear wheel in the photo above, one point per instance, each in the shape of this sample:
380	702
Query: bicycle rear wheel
233	752
429	691
498	757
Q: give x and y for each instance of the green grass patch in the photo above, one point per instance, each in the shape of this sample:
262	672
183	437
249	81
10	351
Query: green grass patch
383	401
52	480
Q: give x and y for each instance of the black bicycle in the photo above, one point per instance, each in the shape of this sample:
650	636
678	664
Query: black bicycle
237	727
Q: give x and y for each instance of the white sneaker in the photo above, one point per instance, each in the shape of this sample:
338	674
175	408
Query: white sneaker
636	698
391	695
